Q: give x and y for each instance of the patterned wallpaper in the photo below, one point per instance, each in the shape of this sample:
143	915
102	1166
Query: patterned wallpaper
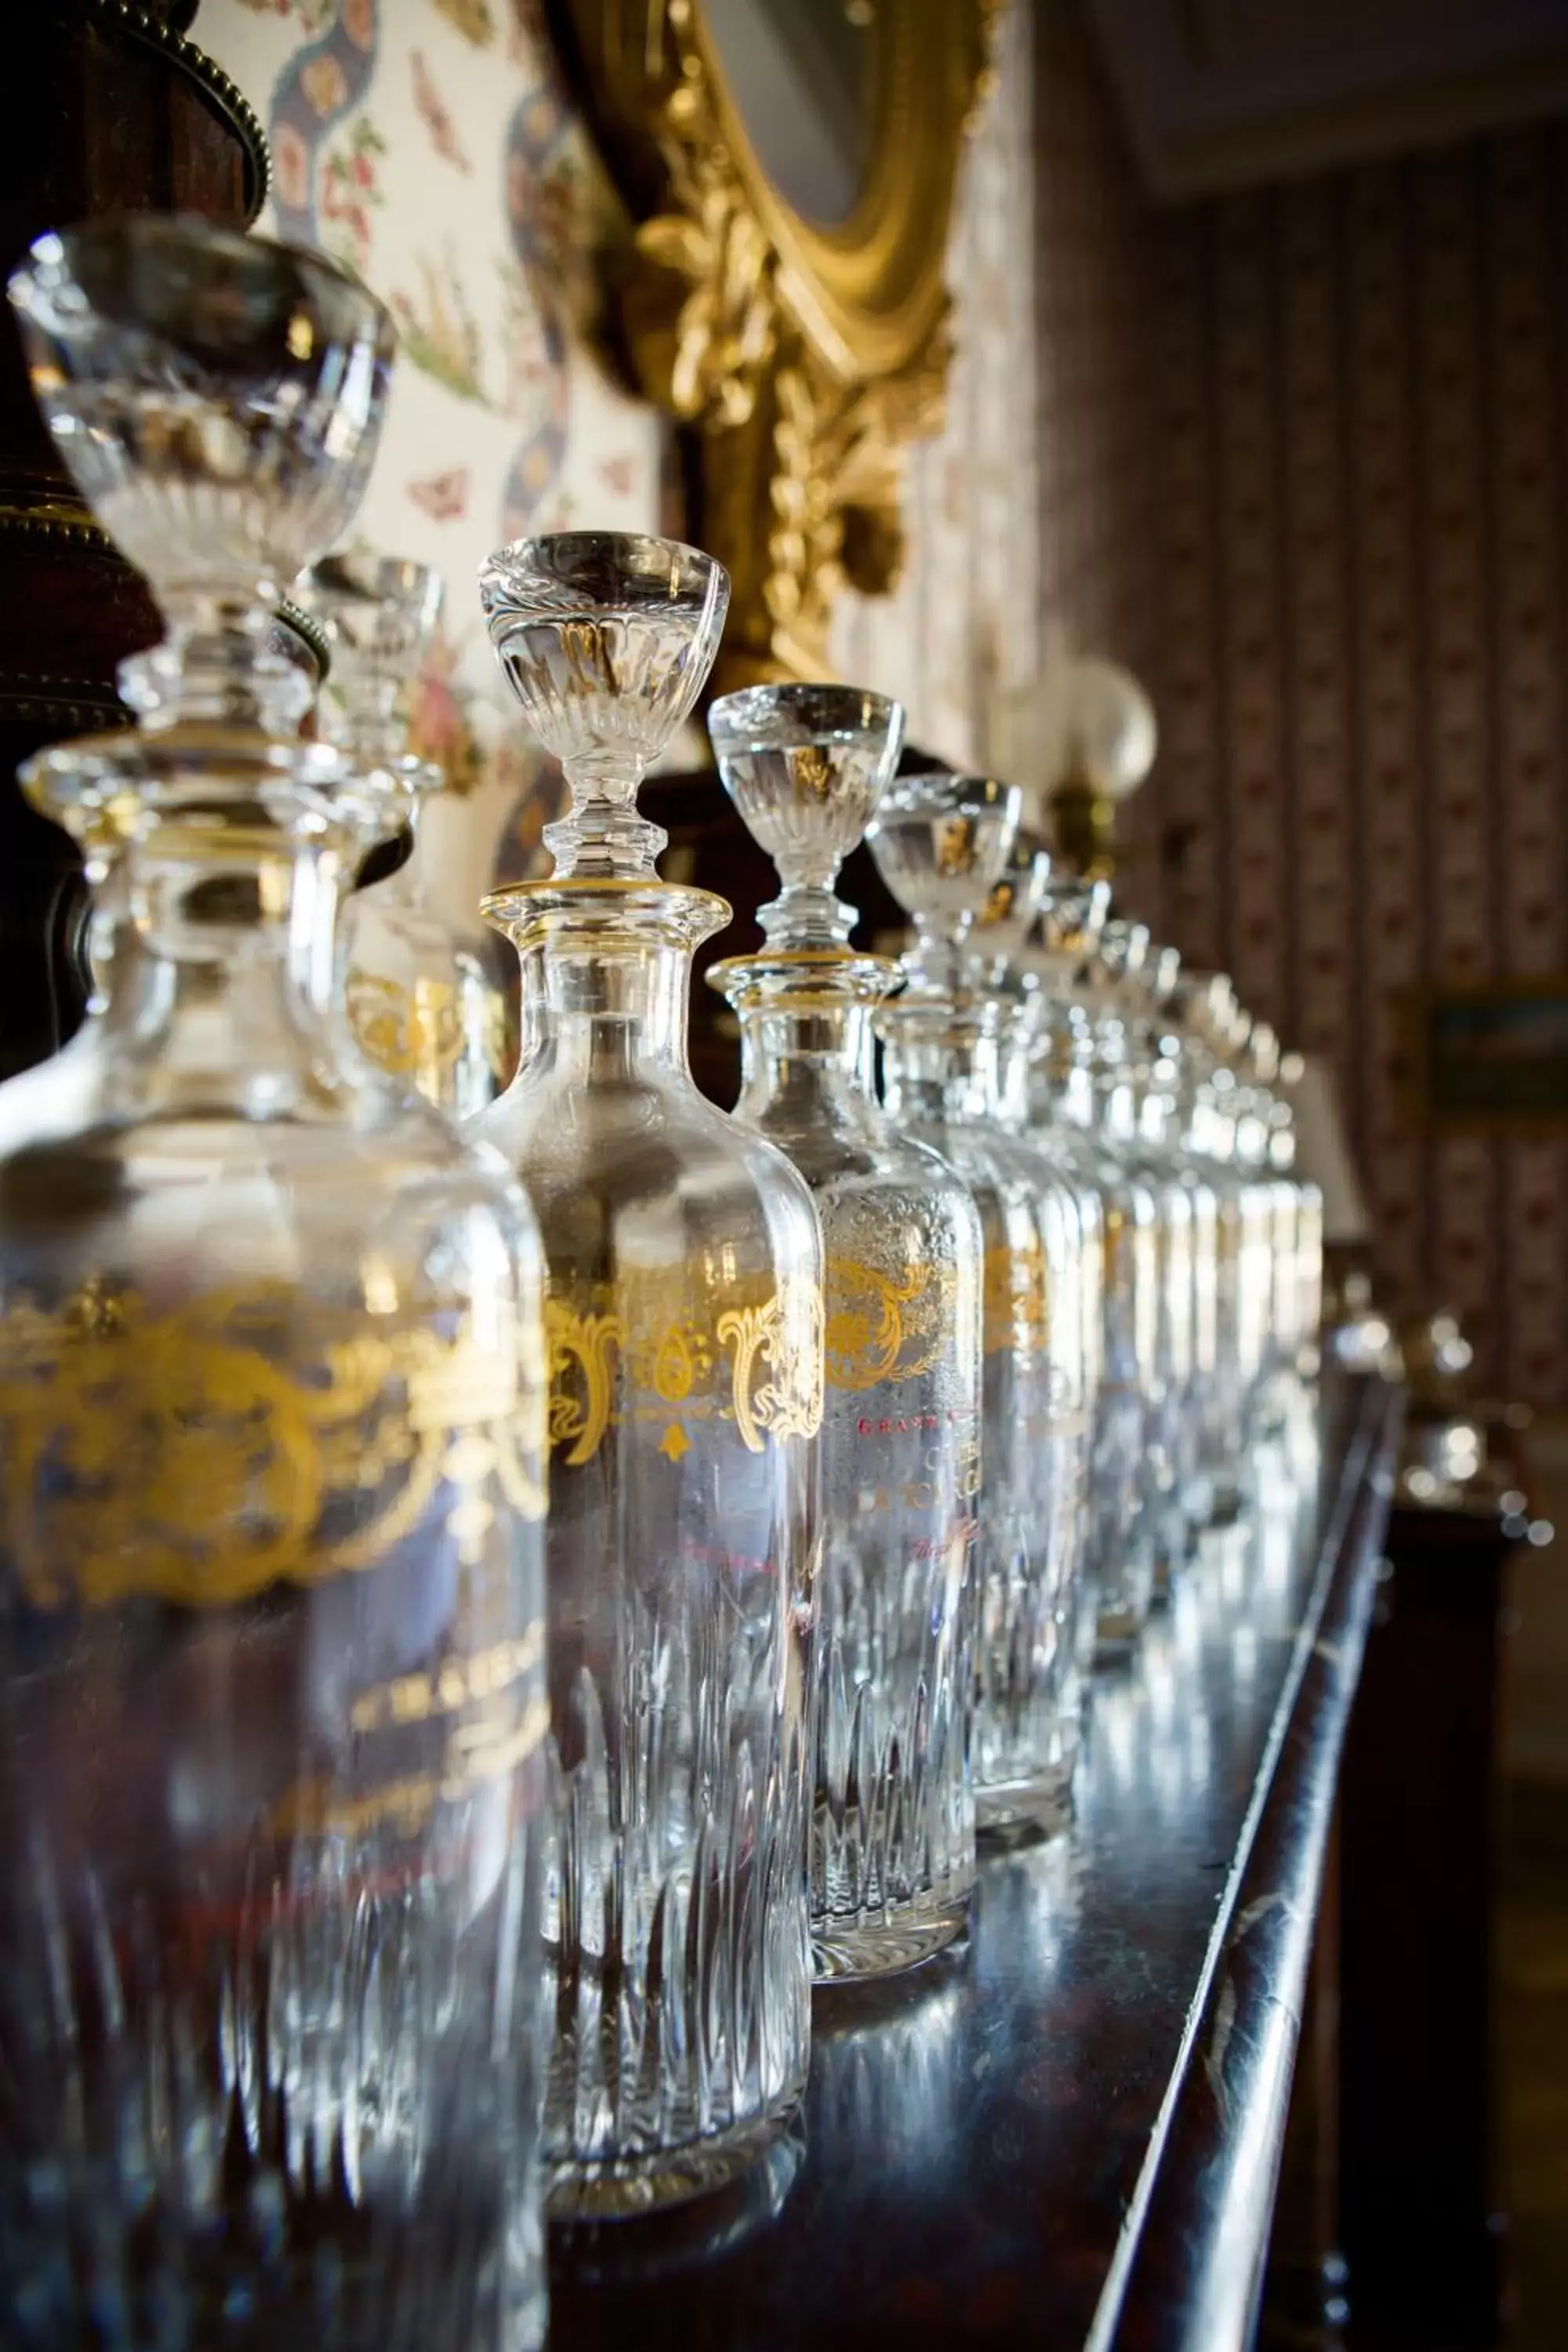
1363	783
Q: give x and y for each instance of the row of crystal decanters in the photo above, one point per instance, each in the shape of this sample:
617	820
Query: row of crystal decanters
474	1648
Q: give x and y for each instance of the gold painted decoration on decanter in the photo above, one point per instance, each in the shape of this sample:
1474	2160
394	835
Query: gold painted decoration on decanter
638	1350
404	1031
200	1453
1016	1299
878	1329
581	1352
778	1365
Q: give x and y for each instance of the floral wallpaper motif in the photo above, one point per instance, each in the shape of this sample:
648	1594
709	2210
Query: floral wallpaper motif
427	146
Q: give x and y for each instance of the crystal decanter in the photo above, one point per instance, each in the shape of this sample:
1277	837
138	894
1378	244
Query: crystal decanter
892	1823
1208	1013
272	1700
684	1322
1147	988
1252	1062
1003	928
941	843
1132	1476
416	995
1303	1310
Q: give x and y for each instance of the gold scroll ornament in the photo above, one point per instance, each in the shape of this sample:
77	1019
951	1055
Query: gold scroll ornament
408	1031
200	1453
1016	1312
878	1329
631	1354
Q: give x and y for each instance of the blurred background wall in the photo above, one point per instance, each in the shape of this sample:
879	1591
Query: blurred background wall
1362	384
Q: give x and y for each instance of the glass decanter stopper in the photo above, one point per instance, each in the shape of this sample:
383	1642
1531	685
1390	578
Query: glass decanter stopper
1132	1476
271	1419
892	1819
941	843
684	1320
415	993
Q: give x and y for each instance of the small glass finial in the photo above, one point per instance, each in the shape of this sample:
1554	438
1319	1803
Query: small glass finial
607	639
806	767
380	614
1005	922
1122	959
217	400
941	843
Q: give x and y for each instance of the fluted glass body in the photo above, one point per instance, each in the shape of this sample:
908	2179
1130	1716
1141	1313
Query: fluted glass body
892	1811
1258	1300
1227	1428
1176	1337
271	1639
1130	1475
416	994
943	1084
1043	1096
683	1319
1200	1442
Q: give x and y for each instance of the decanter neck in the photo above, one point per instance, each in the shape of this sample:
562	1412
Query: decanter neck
806	1039
816	1063
1011	1051
215	969
941	1066
596	1014
606	966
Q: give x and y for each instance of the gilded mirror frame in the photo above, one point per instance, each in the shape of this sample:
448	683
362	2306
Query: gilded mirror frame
800	360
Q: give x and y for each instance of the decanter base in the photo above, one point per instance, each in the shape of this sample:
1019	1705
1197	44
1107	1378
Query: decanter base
845	1952
621	2187
1012	1813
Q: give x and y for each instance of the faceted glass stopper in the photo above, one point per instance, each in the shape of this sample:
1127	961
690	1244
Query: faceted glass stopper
806	767
606	639
1124	954
380	613
1071	917
218	399
941	843
1007	917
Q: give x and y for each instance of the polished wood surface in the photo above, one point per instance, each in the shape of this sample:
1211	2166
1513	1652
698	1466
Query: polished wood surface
1419	2199
1064	2133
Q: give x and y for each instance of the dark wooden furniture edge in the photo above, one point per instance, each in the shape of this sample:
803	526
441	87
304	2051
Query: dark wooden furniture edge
1188	2269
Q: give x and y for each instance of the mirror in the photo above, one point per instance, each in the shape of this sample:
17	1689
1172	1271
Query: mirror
787	169
799	73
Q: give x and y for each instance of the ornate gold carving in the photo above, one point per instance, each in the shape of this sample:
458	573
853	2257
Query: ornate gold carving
638	1350
805	357
200	1453
877	1330
408	1031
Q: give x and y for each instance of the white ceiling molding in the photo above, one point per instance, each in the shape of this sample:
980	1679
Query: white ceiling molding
1228	93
